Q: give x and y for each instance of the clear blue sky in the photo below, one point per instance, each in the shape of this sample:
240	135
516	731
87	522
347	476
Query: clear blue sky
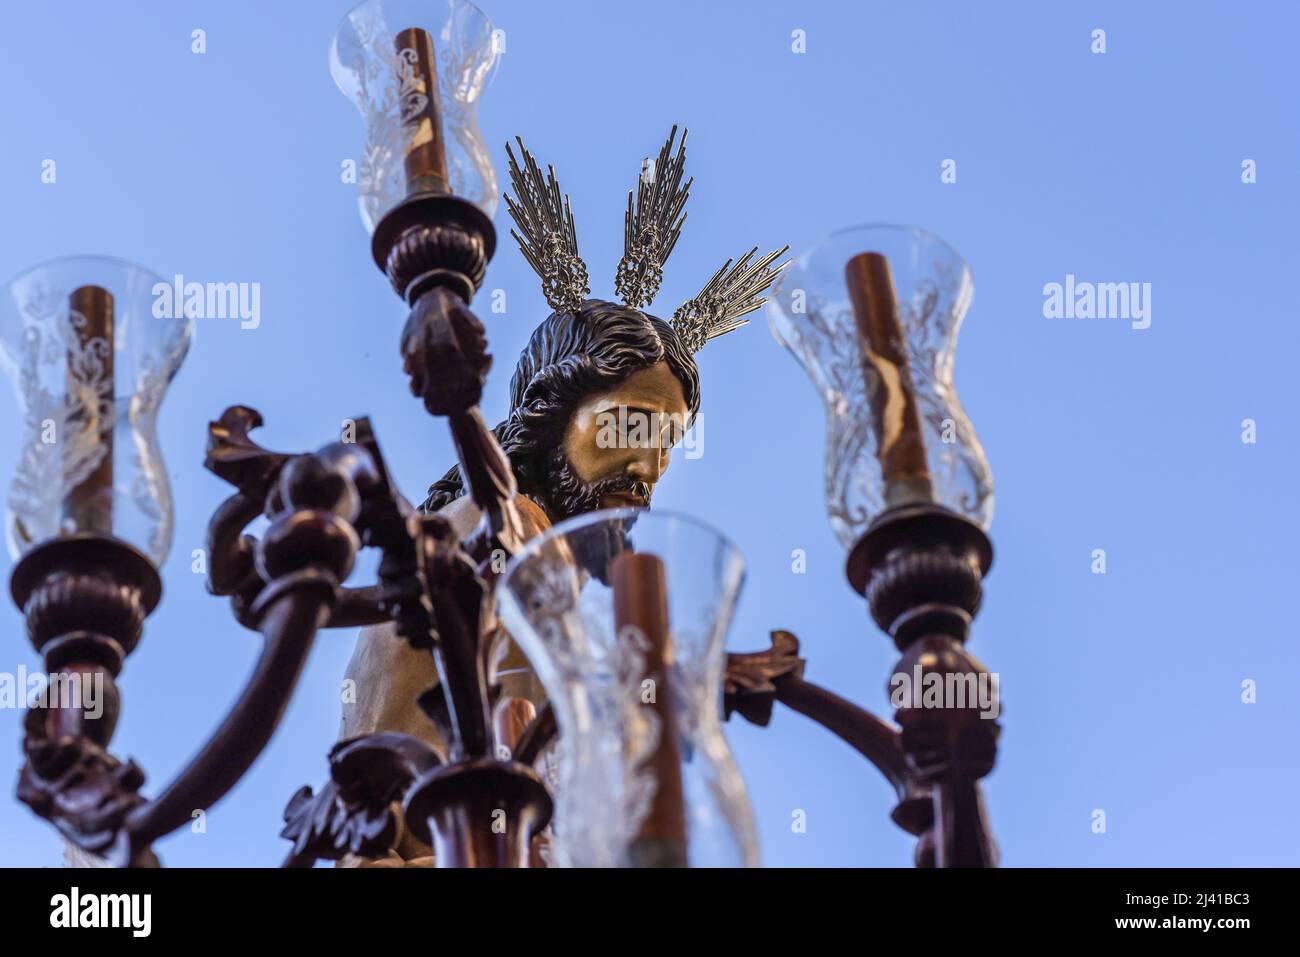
1121	692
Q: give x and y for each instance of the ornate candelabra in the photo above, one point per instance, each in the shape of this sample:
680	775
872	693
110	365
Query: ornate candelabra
624	623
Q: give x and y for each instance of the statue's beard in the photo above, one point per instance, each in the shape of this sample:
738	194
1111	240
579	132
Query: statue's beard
566	494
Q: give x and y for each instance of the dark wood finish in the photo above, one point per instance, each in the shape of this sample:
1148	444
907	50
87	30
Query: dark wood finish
491	484
289	620
233	456
79	787
749	683
85	598
429	585
444	352
480	812
354	812
85	582
755	681
358	607
434	250
427	241
308	549
908	552
921	569
326	506
456	594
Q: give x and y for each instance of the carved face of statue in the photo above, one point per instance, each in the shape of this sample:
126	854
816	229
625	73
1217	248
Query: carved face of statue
617	444
596	401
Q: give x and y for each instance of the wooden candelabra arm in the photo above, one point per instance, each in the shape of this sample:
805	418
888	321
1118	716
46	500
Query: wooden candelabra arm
85	598
86	601
232	571
755	681
456	597
444	353
289	620
962	835
354	812
921	569
749	681
358	608
432	588
872	737
78	786
435	249
236	458
308	550
444	348
233	456
950	749
491	485
428	585
230	552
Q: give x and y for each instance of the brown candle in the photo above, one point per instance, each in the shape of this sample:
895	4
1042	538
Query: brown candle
641	603
426	156
88	505
894	413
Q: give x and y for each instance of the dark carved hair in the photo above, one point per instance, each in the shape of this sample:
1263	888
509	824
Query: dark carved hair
570	356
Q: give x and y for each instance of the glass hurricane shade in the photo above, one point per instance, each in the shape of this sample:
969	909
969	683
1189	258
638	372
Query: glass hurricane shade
90	361
638	709
896	433
380	59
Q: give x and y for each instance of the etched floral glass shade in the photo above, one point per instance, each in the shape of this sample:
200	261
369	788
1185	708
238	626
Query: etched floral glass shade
812	315
373	63
558	600
90	362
